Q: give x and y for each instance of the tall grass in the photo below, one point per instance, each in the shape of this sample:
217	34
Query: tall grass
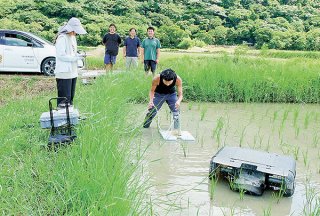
229	79
290	54
239	79
95	175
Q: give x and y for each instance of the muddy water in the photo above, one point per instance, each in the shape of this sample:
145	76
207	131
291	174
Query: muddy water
178	171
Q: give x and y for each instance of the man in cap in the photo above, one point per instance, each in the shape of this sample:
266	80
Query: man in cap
66	71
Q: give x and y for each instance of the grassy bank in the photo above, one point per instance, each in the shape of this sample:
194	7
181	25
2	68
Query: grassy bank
94	176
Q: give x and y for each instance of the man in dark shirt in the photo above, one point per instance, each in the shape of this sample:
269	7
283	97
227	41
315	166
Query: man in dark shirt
131	49
112	41
163	89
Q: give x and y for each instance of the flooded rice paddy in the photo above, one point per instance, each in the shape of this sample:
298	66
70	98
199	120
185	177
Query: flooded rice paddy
178	171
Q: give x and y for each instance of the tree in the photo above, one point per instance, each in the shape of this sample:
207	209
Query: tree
219	34
237	15
262	35
313	40
171	36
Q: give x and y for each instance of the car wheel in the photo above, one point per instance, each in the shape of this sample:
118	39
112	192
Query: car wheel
289	192
48	66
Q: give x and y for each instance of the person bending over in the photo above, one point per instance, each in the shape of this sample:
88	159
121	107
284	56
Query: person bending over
164	88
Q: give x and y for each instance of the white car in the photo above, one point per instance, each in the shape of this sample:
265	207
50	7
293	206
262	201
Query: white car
26	52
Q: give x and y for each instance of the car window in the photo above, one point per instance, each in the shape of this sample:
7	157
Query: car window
1	38
17	40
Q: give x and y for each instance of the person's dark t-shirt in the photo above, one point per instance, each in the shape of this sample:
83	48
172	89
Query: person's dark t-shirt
131	46
112	42
164	89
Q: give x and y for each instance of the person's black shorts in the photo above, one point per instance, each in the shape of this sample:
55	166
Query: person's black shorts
150	64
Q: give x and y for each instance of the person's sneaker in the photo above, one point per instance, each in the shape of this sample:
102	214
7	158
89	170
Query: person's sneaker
146	125
63	106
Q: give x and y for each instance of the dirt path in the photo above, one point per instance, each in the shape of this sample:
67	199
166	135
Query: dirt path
13	87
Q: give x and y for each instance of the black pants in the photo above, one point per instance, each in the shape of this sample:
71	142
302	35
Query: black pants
66	88
150	64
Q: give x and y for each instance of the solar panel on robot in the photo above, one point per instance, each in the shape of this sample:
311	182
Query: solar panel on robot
254	171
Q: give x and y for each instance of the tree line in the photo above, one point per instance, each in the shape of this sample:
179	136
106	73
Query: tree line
275	24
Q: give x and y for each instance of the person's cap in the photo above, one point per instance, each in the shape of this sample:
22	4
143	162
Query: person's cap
75	25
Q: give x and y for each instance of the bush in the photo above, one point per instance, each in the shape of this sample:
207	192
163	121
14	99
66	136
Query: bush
199	43
186	43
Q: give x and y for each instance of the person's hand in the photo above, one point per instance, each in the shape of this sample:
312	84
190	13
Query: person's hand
80	56
177	105
150	105
157	61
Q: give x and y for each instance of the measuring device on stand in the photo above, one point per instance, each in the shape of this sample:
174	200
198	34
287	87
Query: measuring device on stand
61	123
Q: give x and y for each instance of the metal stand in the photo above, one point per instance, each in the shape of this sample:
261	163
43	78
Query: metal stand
61	135
175	134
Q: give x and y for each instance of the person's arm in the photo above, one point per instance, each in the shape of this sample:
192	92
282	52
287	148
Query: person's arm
124	49
61	53
139	51
158	55
119	39
142	54
155	83
139	47
180	94
158	51
104	40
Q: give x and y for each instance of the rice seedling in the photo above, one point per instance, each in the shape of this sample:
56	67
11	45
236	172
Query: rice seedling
312	204
217	130
212	187
267	148
267	211
297	132
305	158
306	121
284	118
275	115
203	112
315	140
295	117
242	136
296	150
231	211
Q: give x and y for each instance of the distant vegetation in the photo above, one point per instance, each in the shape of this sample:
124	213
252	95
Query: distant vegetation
276	24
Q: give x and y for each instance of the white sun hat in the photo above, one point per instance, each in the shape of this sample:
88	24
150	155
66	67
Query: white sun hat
73	24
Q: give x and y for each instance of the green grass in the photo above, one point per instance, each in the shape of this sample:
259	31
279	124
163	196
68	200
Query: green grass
228	79
95	175
290	54
240	79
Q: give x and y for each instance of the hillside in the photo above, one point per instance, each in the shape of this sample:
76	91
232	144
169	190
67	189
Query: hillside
282	24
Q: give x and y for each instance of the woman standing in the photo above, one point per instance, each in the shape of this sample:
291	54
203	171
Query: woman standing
66	71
